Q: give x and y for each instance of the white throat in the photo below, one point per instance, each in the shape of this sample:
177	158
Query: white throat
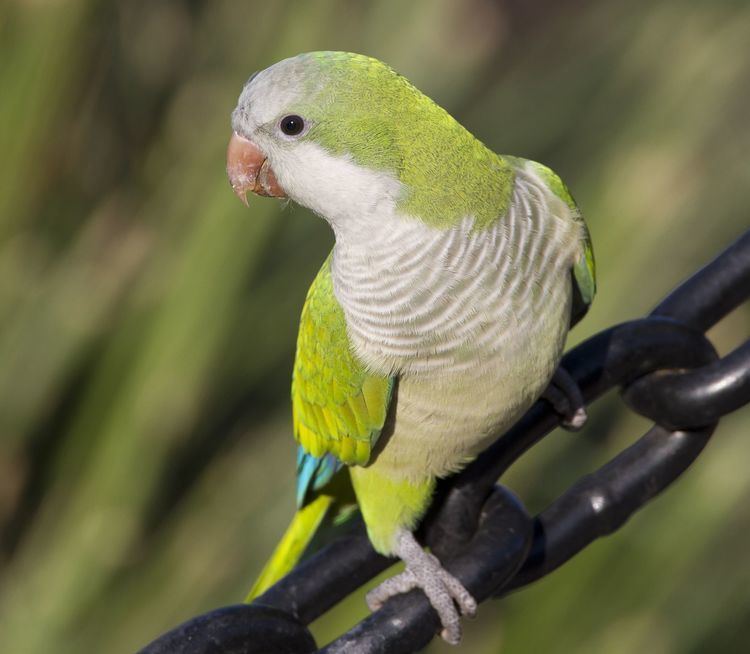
353	199
418	298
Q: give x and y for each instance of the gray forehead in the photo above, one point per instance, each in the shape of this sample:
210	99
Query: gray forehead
273	91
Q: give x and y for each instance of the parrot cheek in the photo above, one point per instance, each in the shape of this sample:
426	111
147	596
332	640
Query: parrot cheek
248	169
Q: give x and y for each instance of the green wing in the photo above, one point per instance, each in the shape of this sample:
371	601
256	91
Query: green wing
584	269
584	274
339	408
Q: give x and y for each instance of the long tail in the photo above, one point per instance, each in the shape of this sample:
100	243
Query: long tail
292	545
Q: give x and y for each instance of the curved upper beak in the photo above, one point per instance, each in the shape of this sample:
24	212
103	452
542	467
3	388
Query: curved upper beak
248	170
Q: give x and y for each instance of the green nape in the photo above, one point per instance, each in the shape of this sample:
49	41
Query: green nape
361	108
293	544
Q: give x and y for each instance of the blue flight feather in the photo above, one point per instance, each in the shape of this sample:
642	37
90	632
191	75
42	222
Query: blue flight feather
314	472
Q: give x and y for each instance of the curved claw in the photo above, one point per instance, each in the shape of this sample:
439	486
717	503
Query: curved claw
577	420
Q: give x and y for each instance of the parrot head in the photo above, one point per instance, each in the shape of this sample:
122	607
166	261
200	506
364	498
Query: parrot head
345	135
315	127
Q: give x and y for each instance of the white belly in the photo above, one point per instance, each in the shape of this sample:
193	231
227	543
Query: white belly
472	323
442	421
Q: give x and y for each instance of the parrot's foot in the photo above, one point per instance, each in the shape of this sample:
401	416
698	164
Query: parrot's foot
565	397
443	590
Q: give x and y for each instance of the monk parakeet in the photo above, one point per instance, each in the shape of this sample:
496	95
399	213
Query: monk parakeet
438	318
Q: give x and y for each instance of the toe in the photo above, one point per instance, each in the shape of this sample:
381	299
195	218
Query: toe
576	420
374	601
401	583
466	603
443	604
452	635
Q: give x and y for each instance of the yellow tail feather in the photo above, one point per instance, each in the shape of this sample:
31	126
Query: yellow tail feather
292	545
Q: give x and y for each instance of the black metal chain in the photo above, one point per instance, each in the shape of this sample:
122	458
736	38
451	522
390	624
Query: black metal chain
666	369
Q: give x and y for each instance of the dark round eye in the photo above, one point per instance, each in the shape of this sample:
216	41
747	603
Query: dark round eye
292	125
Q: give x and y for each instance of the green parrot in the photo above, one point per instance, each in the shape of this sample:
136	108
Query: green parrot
439	316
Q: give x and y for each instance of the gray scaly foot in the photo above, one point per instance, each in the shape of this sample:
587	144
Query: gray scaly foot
565	397
443	590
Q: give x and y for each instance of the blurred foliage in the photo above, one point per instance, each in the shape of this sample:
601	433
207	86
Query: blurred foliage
147	320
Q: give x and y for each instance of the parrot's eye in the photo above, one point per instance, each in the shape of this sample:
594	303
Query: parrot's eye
292	125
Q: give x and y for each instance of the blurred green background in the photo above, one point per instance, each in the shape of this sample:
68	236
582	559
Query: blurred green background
148	320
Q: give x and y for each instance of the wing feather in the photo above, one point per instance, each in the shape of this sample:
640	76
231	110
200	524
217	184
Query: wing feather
584	269
339	408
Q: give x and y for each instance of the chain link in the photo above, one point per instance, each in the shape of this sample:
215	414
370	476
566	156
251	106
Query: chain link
666	369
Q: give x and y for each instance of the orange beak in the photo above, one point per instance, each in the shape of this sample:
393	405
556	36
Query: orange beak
248	170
